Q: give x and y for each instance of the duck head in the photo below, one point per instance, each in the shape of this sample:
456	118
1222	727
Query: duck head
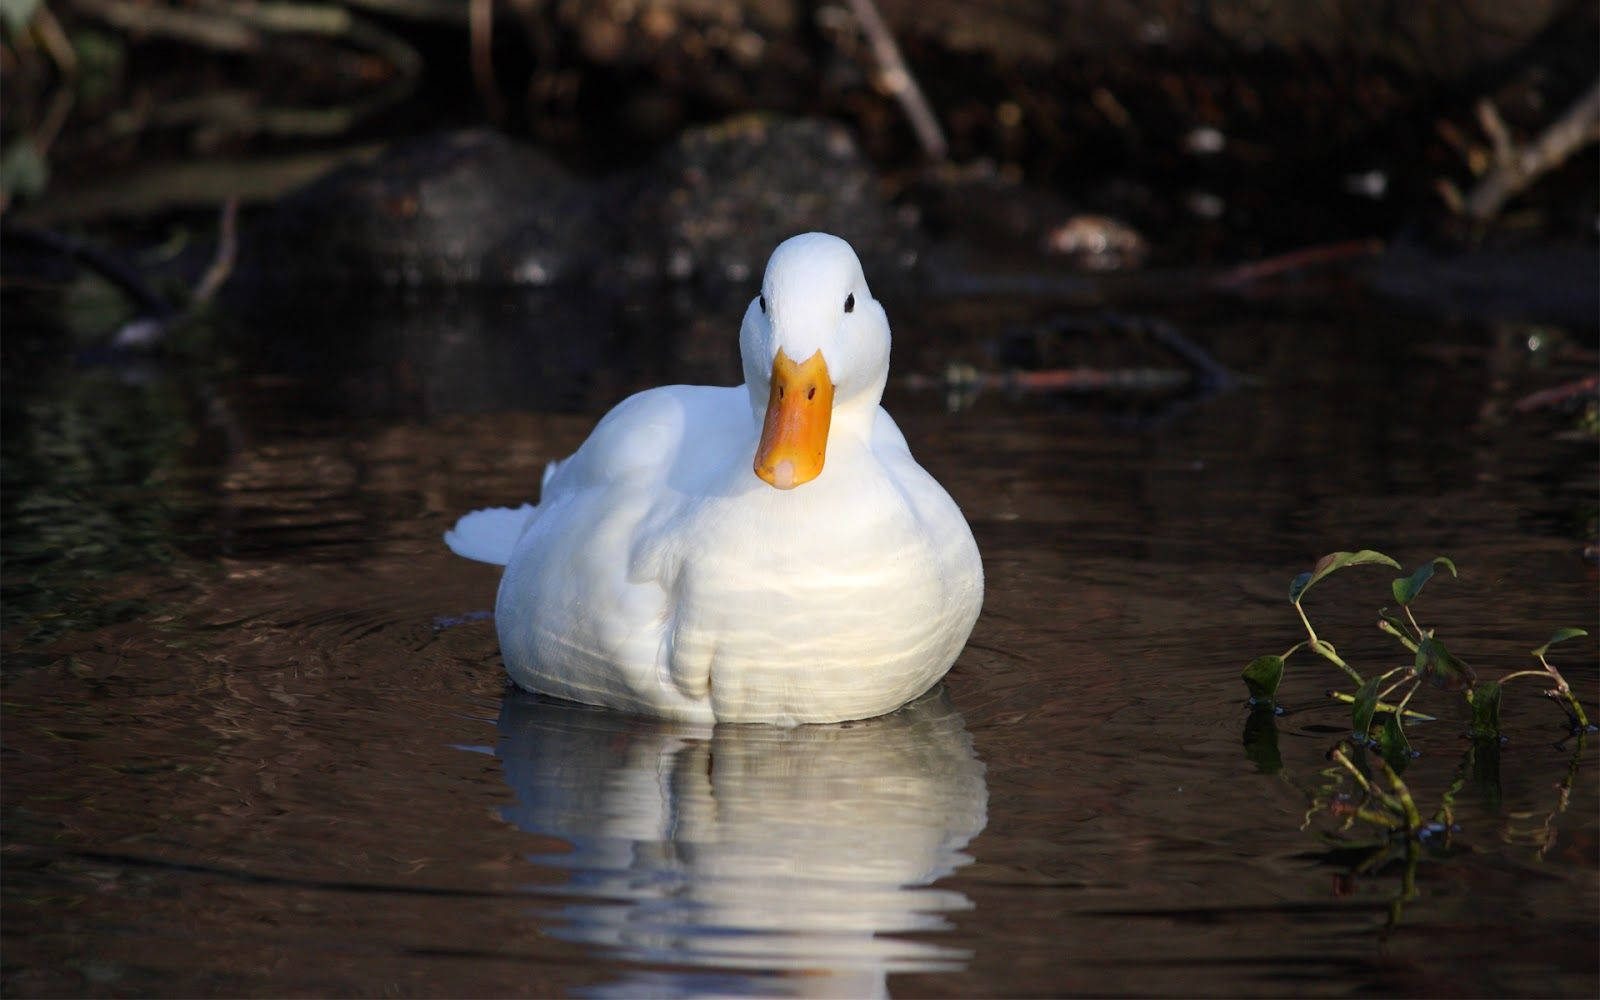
815	347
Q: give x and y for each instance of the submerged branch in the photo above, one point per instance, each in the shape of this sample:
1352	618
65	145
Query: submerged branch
1586	386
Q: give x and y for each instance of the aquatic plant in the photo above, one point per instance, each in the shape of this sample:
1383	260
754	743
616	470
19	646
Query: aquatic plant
1432	662
1363	784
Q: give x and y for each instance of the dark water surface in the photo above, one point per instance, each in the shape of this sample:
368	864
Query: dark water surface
257	737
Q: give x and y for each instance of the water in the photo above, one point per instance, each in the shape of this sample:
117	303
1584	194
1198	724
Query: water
257	738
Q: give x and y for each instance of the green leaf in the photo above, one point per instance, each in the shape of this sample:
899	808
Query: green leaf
1392	743
1263	676
1331	562
1362	708
1406	588
1560	635
1485	701
1440	666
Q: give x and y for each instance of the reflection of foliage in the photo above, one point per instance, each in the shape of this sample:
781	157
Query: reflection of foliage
83	466
1363	785
1360	787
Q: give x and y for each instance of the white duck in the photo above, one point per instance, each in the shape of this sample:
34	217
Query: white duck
766	553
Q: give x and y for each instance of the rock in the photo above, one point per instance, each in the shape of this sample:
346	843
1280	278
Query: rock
714	204
477	208
462	208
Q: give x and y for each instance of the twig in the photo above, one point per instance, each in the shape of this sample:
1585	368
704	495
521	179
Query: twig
60	107
1088	379
898	81
55	41
1297	260
182	23
437	11
1514	169
537	32
967	378
481	23
222	261
1213	371
1560	394
1495	128
248	28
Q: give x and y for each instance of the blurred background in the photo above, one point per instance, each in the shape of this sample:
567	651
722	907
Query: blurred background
164	156
1107	136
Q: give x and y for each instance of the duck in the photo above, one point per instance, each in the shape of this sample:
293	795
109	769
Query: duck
763	553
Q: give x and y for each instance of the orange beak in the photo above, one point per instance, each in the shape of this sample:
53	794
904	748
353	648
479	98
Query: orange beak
794	436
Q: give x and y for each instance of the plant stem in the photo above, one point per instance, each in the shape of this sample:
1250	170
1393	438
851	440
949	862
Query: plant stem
1561	690
1324	649
1413	817
1566	692
1413	620
1408	886
1361	779
1407	699
1390	689
1446	813
1577	709
1327	652
1405	640
1565	789
1384	707
1387	800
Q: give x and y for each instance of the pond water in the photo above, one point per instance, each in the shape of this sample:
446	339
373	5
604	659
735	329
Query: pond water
258	739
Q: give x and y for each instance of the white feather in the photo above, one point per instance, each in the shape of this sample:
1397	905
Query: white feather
490	534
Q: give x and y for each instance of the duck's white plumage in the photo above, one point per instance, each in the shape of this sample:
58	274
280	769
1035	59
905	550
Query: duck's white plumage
659	574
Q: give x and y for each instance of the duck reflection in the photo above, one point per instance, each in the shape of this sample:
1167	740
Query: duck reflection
784	858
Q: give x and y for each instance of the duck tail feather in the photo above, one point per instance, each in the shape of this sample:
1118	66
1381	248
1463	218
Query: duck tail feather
490	534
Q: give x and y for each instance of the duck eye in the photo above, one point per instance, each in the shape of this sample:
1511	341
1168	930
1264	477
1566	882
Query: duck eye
850	302
763	300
